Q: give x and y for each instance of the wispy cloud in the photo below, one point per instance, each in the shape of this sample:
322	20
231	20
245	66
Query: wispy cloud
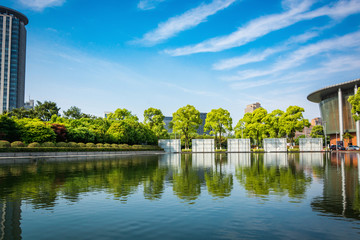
336	64
258	57
298	57
39	5
264	25
187	20
148	4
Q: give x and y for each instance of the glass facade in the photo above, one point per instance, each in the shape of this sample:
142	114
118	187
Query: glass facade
329	108
12	51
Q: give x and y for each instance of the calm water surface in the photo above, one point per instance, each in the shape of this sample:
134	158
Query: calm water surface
198	196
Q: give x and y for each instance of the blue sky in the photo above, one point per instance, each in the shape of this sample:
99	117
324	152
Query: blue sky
136	54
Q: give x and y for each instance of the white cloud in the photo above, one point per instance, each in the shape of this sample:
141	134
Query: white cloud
336	64
148	4
298	57
39	5
187	20
264	25
258	57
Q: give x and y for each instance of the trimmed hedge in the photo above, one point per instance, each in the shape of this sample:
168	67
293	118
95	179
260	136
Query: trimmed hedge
86	149
4	144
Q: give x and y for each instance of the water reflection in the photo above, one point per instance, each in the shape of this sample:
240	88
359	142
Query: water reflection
43	183
340	196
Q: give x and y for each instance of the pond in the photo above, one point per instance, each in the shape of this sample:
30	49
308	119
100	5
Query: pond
174	196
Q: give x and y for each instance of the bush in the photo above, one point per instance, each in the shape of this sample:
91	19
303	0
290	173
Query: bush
4	144
114	145
257	150
17	144
186	150
90	145
36	131
62	144
106	145
125	146
48	144
73	144
82	145
100	145
34	145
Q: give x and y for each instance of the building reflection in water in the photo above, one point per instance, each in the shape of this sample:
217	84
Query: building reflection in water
340	197
10	215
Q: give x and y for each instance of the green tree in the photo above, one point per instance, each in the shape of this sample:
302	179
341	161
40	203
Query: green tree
8	129
23	113
186	120
355	105
317	132
218	121
293	120
45	110
273	125
154	120
122	114
255	125
34	130
73	113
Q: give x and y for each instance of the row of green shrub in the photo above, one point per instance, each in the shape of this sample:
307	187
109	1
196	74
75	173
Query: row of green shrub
67	149
19	144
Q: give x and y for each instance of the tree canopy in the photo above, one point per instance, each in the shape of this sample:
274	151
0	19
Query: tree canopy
186	120
218	121
154	120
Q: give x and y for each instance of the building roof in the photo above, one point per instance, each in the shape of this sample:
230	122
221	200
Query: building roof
319	95
17	14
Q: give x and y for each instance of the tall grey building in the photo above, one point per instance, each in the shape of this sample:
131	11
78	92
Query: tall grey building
12	58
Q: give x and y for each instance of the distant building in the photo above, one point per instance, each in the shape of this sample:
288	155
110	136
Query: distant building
12	58
251	107
316	121
30	104
167	121
106	114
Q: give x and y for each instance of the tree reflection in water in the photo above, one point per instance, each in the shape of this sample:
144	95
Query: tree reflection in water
260	179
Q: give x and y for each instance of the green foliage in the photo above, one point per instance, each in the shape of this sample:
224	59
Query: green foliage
45	110
80	134
273	125
90	145
4	144
34	145
317	132
99	145
73	113
64	144
48	144
253	125
292	120
131	132
8	129
186	120
218	121
122	114
81	145
114	145
17	144
355	105
297	140
71	144
348	136
23	113
106	145
34	130
154	120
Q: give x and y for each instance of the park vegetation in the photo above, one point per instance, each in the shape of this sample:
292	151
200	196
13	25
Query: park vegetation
43	126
